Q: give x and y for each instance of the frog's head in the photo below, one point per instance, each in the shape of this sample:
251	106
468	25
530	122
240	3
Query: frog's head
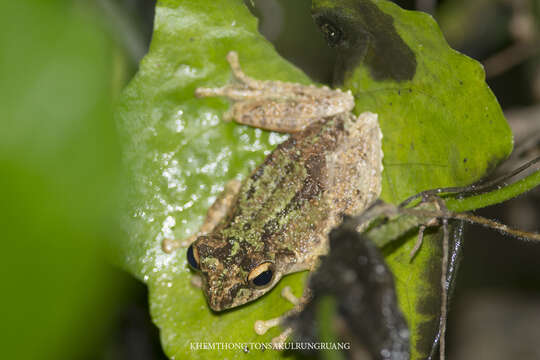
234	274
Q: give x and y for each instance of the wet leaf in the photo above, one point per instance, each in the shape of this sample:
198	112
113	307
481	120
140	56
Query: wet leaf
441	125
180	154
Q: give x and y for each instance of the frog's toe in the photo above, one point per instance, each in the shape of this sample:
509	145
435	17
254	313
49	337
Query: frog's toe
262	326
288	295
169	245
228	115
196	281
279	341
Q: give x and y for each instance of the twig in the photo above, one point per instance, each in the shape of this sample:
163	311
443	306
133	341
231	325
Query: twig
444	291
474	219
474	188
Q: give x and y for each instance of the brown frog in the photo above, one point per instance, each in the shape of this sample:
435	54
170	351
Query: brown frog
277	221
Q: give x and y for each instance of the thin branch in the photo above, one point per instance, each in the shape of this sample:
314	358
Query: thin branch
474	219
497	196
492	224
444	291
476	188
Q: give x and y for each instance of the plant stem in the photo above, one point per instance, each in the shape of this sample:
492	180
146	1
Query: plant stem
494	197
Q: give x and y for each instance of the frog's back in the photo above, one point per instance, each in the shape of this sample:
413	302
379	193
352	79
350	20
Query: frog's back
291	201
355	167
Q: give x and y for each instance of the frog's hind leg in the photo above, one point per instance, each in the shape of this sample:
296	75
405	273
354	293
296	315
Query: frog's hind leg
234	63
272	115
215	213
355	167
244	89
275	105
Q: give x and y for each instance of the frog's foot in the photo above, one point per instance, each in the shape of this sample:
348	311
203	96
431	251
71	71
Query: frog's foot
169	245
287	294
276	105
279	341
215	213
245	88
234	63
262	326
219	208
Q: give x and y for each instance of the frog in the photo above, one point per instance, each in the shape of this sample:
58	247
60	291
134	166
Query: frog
276	222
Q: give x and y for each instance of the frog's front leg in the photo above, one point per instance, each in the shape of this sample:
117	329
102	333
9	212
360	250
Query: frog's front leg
215	213
262	326
275	105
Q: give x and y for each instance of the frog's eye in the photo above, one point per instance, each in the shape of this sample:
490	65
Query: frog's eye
193	257
332	34
262	275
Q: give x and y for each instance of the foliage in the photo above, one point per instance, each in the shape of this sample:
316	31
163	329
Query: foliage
58	158
441	127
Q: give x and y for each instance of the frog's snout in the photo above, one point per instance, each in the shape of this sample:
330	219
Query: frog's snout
216	304
218	297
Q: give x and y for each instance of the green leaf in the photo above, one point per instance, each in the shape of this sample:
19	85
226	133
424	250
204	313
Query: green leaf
180	154
442	126
59	159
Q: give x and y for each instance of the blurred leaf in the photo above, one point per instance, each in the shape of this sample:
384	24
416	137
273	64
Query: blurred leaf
442	127
476	27
58	161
